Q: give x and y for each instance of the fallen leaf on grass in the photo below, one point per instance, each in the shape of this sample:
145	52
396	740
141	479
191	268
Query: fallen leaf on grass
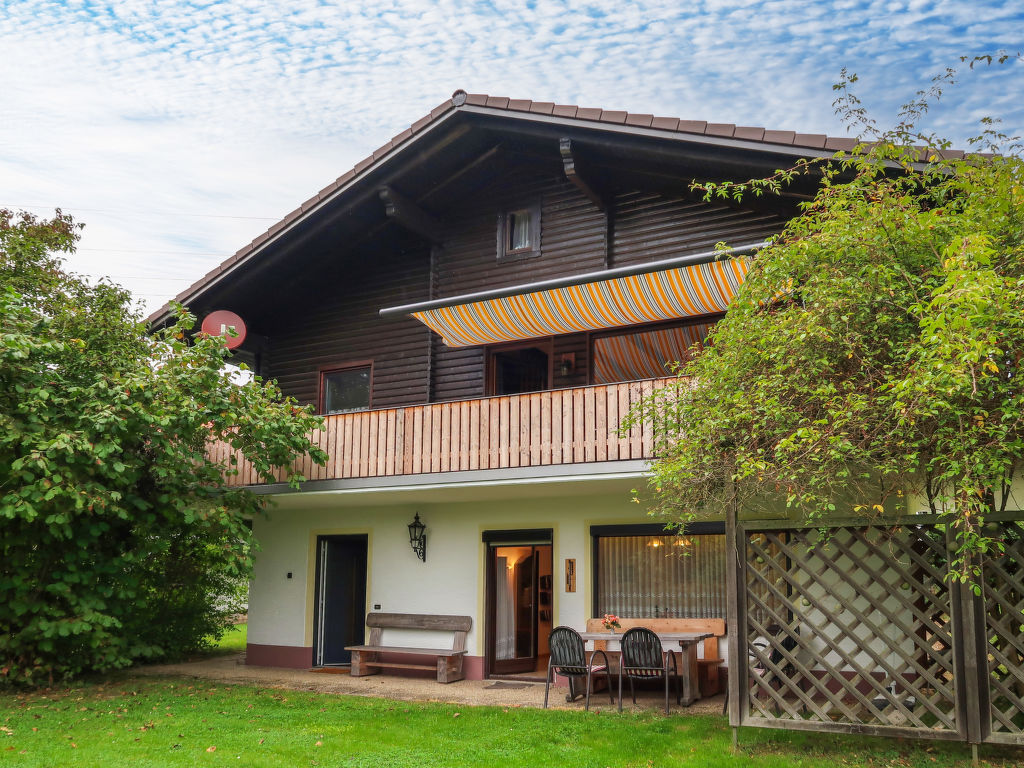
211	749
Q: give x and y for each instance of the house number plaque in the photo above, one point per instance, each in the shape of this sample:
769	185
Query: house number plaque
570	574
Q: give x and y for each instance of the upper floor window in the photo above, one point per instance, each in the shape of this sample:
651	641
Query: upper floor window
347	389
519	233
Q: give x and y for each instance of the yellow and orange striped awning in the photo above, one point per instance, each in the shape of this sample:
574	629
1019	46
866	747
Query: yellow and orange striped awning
690	291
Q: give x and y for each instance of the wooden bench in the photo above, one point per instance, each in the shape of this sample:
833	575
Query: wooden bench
705	669
366	659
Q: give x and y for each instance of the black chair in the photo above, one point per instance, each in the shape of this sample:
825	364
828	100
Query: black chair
569	659
643	658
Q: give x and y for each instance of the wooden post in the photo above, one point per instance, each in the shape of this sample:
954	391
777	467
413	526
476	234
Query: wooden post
735	619
970	657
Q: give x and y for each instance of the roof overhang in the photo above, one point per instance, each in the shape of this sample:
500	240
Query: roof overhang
438	143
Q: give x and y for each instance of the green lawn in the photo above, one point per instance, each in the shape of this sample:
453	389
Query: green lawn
233	641
176	722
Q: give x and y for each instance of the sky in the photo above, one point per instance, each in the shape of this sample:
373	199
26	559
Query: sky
177	131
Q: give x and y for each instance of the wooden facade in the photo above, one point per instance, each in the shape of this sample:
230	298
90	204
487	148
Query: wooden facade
423	224
337	320
559	427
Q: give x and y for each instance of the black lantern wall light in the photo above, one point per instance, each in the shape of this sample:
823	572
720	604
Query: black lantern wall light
417	538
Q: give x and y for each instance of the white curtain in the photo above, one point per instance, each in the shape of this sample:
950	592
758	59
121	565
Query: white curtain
642	577
504	610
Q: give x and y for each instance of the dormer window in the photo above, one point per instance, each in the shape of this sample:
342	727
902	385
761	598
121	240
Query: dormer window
519	233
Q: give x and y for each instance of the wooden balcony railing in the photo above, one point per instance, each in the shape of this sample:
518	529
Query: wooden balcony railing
562	426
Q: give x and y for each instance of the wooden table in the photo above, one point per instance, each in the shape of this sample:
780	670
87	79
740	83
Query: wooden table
688	645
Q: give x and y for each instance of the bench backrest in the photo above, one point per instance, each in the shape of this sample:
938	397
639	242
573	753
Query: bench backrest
715	626
460	625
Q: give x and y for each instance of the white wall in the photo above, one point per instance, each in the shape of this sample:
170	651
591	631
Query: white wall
451	579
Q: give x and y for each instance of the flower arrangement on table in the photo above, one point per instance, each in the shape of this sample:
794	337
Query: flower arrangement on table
611	622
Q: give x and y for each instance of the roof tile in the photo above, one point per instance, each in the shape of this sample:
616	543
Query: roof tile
519	105
750	133
588	113
644	121
565	110
692	126
608	116
310	203
420	124
291	216
666	123
328	189
542	107
499	102
261	238
477	99
720	129
840	143
779	137
396	140
381	151
440	109
815	140
363	164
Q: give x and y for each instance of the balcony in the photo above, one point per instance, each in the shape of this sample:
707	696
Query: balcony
562	426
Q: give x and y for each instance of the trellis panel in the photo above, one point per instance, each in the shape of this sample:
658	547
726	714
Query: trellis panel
848	630
1003	579
859	628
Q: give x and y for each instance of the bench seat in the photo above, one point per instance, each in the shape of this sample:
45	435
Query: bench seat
366	659
400	649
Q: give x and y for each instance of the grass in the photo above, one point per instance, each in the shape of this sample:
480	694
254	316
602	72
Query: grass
182	722
233	641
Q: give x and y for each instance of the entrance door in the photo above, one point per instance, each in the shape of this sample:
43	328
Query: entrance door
340	613
518	607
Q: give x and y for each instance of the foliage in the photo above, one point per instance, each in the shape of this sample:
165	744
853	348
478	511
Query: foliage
117	535
187	722
874	350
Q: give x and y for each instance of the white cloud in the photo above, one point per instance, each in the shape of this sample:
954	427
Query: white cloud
139	111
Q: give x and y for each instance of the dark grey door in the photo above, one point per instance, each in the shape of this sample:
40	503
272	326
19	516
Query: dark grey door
340	598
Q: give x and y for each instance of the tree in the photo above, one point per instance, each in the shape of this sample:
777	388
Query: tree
874	351
118	541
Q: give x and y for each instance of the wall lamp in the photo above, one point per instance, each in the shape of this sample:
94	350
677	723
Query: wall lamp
417	538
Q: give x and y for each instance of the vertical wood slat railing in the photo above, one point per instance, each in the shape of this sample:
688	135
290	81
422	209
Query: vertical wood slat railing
562	426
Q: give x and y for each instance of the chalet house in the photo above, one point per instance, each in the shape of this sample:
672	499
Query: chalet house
474	307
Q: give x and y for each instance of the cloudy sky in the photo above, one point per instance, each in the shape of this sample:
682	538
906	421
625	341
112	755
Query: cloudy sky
179	130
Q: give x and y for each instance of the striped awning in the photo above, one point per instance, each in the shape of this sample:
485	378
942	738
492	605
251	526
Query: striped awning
645	354
670	294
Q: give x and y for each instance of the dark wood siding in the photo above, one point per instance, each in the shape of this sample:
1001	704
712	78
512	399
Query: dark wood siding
573	240
650	227
333	317
339	323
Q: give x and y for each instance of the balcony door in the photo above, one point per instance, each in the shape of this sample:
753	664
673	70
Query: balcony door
519	610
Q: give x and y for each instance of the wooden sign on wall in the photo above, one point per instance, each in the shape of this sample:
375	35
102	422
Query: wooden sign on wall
570	574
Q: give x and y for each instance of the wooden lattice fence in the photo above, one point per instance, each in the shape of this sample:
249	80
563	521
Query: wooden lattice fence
857	628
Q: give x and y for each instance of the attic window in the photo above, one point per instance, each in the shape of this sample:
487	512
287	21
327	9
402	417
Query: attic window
519	233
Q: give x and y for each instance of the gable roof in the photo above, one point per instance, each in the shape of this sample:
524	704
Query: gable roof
789	143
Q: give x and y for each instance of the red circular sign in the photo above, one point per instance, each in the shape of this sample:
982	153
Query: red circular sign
217	324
